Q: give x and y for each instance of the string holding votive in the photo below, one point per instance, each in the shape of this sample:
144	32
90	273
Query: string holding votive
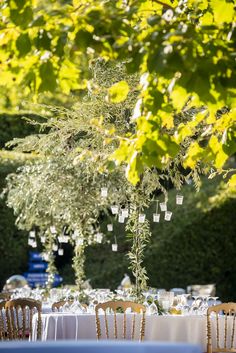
168	215
114	209
163	206
121	218
179	199
104	192
141	217
156	217
110	227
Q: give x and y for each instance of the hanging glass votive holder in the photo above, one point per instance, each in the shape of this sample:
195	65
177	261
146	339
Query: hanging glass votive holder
29	241
55	247
99	237
125	212
168	215
115	209
179	199
110	227
53	230
60	252
32	234
104	192
163	206
34	244
141	217
43	239
156	217
79	241
114	247
121	219
66	238
45	256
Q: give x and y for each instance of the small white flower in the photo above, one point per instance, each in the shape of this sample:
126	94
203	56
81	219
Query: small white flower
184	28
45	56
168	15
168	49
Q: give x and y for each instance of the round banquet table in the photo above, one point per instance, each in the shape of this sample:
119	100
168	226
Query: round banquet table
170	328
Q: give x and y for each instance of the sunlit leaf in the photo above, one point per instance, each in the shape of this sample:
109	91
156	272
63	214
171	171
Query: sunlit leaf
118	92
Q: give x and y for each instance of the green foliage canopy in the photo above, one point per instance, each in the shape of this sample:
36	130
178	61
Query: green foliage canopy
183	50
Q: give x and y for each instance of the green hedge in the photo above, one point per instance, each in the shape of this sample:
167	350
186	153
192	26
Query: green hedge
13	242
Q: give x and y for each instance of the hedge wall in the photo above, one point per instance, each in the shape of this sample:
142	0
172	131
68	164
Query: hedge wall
13	243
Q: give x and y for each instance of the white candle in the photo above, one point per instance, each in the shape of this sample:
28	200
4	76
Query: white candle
156	217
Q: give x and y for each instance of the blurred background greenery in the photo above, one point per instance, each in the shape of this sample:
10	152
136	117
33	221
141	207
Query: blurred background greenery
191	249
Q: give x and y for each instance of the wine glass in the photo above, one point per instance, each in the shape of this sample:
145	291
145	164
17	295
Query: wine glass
214	300
153	308
145	303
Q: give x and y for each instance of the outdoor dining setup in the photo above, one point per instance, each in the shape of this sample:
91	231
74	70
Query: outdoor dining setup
100	314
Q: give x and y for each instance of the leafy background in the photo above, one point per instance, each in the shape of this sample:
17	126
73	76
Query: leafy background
188	250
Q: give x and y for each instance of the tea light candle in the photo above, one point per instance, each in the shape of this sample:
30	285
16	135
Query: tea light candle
121	219
53	230
114	209
55	247
168	215
32	234
141	217
156	217
60	252
179	199
125	212
79	241
114	247
163	206
104	192
99	237
110	227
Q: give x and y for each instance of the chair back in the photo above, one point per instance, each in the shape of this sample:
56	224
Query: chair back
19	314
224	328
3	321
58	305
120	306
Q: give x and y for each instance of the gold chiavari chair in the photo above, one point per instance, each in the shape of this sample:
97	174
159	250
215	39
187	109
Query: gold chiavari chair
5	295
225	328
3	322
114	307
19	314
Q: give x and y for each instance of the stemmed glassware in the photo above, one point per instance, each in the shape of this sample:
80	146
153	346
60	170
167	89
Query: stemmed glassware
153	308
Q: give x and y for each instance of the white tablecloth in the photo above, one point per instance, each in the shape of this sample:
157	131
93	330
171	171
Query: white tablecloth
190	329
171	328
